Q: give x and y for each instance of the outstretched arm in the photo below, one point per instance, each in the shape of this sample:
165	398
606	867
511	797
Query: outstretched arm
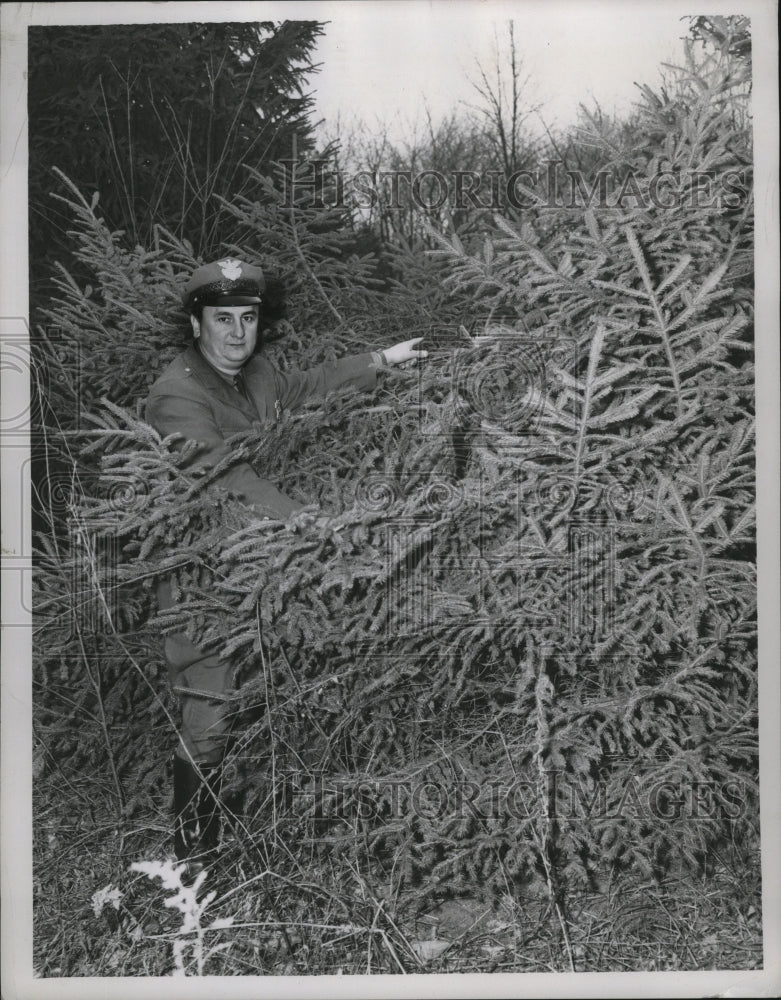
360	370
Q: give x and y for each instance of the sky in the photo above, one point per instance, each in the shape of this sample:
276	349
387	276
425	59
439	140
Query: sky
382	63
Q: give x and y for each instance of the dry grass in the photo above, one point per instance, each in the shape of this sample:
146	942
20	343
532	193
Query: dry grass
283	909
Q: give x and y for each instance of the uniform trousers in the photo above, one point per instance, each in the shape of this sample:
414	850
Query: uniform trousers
205	722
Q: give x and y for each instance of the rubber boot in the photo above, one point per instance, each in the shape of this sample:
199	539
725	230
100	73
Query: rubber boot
197	814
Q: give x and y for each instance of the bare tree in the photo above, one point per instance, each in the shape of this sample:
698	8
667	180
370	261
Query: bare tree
506	101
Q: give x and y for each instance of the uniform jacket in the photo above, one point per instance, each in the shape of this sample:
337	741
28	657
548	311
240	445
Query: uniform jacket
191	398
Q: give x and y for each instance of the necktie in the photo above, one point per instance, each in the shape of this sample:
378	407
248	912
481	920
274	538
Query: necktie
238	385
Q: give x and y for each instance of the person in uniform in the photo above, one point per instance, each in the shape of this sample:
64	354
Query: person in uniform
220	385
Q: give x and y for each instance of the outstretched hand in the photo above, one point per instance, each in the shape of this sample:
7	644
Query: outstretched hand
405	351
313	516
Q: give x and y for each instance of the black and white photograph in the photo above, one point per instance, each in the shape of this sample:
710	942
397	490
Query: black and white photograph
390	466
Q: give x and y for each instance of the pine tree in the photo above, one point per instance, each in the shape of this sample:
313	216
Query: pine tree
161	120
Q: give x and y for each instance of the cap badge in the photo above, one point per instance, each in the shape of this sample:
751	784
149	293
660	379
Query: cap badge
231	269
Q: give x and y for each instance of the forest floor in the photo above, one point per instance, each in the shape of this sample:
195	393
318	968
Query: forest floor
292	912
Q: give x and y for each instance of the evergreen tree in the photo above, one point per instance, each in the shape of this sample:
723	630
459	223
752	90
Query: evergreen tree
160	121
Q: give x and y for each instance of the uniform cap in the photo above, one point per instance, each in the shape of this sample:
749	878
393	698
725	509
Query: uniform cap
227	282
